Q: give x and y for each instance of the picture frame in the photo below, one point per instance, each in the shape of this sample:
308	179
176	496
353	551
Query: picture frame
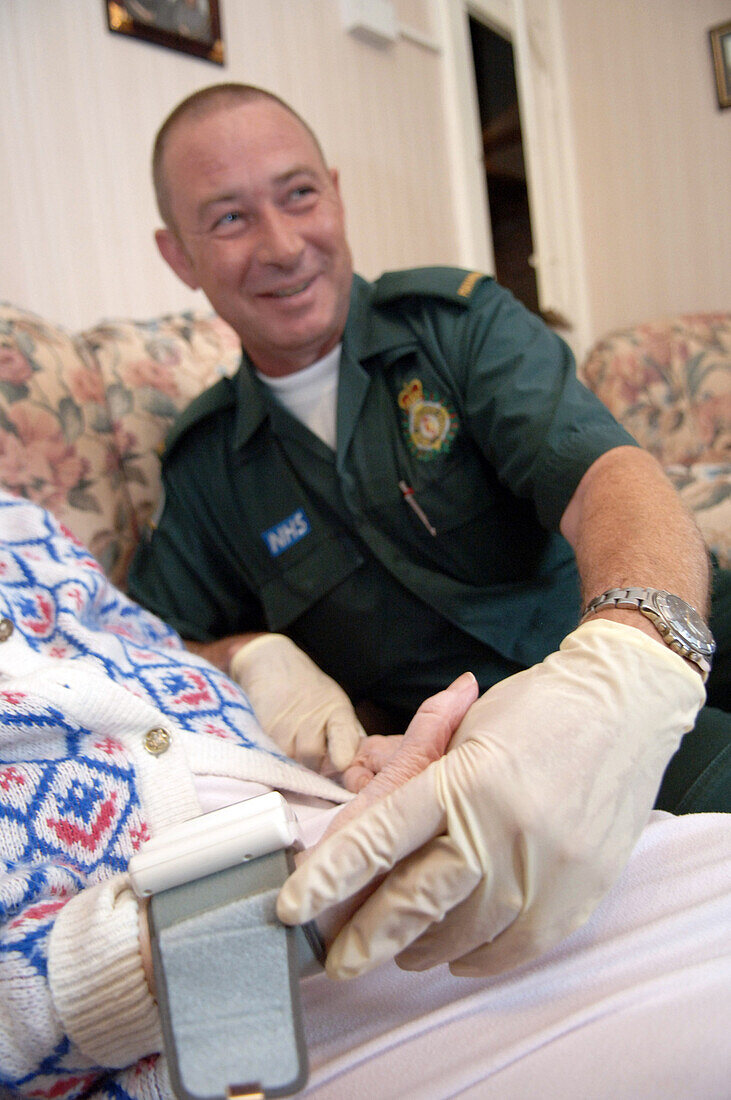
189	26
720	37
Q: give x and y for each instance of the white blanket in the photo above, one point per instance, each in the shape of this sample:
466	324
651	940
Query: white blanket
636	1005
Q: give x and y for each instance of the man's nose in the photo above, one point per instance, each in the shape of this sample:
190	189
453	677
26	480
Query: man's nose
279	241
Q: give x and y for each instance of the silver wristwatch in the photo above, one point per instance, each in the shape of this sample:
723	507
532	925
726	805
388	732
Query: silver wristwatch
679	624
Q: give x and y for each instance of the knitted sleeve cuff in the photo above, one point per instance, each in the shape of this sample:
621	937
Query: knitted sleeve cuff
97	979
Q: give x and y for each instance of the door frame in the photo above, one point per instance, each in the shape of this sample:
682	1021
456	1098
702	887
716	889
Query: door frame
534	28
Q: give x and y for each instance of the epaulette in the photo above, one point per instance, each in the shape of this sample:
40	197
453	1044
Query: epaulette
453	284
220	395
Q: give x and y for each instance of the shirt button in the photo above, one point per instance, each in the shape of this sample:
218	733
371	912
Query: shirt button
157	741
6	629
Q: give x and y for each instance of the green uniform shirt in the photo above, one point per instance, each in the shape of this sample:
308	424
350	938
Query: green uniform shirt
452	395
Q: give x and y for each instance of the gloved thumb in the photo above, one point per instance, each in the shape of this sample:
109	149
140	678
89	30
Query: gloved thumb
344	735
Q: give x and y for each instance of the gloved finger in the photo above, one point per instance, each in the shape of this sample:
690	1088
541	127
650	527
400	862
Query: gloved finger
526	939
364	849
477	920
414	896
344	737
310	743
310	754
328	769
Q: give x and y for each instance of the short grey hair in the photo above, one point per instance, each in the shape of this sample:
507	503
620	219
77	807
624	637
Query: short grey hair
201	103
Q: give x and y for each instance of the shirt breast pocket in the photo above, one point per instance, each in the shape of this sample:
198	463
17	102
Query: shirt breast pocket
304	573
455	514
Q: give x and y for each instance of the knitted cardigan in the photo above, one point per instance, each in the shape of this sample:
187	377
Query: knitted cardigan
104	721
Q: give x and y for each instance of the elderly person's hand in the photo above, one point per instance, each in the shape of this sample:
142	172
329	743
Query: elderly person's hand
302	709
506	844
383	764
373	755
388	762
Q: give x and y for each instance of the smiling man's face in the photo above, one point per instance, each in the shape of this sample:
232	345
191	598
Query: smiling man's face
258	225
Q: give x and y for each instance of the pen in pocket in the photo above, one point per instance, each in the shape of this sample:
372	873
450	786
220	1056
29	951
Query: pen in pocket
408	495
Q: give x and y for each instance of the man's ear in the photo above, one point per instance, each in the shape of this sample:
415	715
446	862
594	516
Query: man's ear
174	254
335	177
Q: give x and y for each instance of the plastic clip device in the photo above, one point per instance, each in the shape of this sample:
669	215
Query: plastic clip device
226	970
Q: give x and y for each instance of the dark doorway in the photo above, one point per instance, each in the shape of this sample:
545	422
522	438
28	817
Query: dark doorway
502	142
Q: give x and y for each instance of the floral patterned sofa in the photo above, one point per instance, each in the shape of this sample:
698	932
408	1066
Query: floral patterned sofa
669	383
83	415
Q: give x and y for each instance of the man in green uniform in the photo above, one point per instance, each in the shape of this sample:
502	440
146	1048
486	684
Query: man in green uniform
405	480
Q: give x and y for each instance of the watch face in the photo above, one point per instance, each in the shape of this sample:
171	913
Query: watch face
685	621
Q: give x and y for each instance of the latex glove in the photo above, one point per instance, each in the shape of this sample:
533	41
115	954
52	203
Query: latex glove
301	708
505	845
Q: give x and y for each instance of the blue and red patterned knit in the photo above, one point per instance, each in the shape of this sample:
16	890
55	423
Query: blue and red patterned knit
105	720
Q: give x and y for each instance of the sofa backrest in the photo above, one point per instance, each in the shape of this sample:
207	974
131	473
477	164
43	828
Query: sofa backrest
83	416
669	383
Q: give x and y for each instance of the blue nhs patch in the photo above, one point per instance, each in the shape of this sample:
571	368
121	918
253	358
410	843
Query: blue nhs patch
285	534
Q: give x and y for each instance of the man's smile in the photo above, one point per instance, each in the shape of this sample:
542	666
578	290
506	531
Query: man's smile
289	291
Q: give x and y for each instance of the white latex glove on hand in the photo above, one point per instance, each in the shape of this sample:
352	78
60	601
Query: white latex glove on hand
505	845
301	708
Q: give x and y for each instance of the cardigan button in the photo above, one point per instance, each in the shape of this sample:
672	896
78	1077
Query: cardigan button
6	629
157	741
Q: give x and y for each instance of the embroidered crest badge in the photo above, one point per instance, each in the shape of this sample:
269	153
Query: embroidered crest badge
429	424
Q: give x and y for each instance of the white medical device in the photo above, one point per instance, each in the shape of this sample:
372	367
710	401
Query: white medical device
213	841
226	970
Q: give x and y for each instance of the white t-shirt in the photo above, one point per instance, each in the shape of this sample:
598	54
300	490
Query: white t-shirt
311	395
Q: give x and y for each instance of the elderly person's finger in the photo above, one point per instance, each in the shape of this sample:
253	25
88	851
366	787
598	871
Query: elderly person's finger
374	753
425	740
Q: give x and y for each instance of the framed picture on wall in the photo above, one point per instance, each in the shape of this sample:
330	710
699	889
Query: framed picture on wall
721	49
191	26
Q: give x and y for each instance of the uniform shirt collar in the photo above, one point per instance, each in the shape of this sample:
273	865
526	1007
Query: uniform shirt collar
371	331
252	406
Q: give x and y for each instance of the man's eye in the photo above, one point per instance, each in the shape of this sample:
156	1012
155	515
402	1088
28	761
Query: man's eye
302	192
230	218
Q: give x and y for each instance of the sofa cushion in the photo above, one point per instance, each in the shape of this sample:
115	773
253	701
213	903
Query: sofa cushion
669	383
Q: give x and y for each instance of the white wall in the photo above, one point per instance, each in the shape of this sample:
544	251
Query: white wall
653	155
80	107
